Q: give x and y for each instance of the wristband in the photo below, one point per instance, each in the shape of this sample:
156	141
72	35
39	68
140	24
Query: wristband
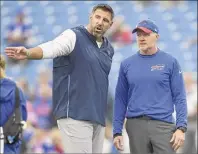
27	53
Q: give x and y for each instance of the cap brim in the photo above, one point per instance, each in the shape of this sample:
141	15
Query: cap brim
143	29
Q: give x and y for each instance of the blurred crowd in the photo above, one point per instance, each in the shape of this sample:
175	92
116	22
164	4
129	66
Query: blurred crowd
18	34
41	134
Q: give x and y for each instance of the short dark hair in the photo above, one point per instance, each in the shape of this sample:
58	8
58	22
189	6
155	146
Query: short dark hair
104	7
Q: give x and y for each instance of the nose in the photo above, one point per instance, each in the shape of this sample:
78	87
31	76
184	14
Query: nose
100	21
141	38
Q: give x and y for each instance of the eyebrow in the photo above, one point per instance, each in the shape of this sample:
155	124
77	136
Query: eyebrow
104	17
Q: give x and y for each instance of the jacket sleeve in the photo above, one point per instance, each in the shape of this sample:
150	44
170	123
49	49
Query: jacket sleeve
179	95
23	105
5	111
120	105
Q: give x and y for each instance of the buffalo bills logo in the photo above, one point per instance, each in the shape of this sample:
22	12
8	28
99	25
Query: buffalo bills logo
157	67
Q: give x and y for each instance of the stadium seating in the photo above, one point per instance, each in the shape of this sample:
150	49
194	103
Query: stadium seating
50	18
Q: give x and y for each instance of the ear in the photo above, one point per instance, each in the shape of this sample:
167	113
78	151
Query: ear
157	36
111	24
90	17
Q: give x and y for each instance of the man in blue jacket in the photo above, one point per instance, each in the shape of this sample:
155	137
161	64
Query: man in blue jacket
82	59
7	105
150	85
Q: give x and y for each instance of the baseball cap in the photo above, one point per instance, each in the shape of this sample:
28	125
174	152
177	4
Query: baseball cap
147	26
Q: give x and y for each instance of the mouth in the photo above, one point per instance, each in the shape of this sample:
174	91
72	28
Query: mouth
99	29
142	44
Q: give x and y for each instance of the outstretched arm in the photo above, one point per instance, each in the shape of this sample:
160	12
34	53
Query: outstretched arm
61	45
21	53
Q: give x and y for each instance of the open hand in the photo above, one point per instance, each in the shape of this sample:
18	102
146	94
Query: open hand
18	53
177	139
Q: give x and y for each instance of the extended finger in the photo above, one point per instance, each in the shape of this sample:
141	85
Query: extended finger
13	50
12	56
181	142
116	143
9	53
10	48
175	143
178	145
173	138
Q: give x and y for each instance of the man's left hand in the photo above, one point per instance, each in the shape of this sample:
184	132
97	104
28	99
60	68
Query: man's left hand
177	139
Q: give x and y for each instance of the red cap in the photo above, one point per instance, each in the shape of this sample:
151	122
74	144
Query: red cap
146	30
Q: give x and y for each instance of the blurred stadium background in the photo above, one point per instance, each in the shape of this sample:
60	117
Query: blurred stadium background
177	21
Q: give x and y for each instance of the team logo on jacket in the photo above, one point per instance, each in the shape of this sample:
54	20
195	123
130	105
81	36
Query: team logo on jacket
157	67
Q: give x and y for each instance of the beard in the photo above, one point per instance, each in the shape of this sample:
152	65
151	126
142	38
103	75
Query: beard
98	33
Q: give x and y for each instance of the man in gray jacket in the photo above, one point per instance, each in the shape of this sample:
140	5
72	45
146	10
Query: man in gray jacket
82	59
